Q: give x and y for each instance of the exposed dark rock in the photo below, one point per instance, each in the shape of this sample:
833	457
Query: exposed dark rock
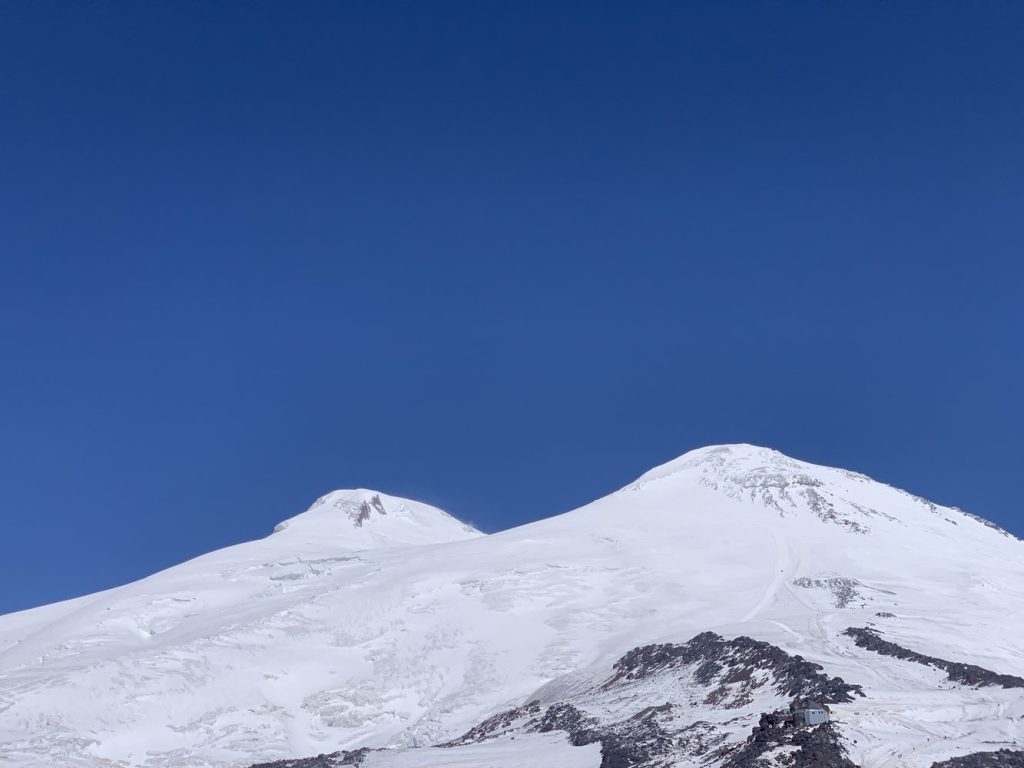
333	760
724	674
637	741
495	725
794	676
781	488
564	717
716	672
366	508
965	674
844	591
697	739
817	747
989	524
631	742
1004	758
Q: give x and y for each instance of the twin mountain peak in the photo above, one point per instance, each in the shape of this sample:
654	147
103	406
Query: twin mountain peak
764	481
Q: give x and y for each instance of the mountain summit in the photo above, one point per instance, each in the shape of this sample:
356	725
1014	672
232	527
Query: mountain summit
673	613
362	519
777	483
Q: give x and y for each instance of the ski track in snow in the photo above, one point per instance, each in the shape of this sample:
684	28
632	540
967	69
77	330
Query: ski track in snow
783	567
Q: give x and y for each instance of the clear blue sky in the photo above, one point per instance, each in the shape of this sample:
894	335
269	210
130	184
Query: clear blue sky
502	257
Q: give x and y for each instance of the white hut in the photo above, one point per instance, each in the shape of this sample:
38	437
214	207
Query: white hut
812	714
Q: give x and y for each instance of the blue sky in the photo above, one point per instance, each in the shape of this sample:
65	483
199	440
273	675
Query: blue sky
500	257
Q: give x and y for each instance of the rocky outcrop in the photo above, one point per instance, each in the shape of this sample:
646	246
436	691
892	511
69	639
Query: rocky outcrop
818	747
333	760
722	680
708	671
645	739
989	524
1004	758
844	591
496	725
732	663
958	672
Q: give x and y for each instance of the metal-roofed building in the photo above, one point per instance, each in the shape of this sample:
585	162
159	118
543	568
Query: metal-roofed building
811	714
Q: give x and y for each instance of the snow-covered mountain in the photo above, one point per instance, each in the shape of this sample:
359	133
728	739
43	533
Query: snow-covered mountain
672	613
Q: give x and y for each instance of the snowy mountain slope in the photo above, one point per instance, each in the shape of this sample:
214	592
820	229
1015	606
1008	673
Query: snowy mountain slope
351	627
662	703
377	520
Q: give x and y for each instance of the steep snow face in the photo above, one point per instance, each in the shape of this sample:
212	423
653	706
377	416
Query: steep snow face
786	486
364	624
362	519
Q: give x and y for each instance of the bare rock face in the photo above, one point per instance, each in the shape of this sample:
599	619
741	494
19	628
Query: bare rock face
1004	758
844	591
733	662
817	747
965	674
497	725
643	713
709	672
333	760
368	507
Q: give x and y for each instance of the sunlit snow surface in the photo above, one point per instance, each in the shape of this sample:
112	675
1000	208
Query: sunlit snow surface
527	751
376	621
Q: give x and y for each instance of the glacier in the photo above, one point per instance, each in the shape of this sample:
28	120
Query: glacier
371	621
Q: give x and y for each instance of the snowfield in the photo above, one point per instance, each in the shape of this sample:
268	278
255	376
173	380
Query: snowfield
373	621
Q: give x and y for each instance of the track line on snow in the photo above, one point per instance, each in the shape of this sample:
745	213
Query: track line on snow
781	568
